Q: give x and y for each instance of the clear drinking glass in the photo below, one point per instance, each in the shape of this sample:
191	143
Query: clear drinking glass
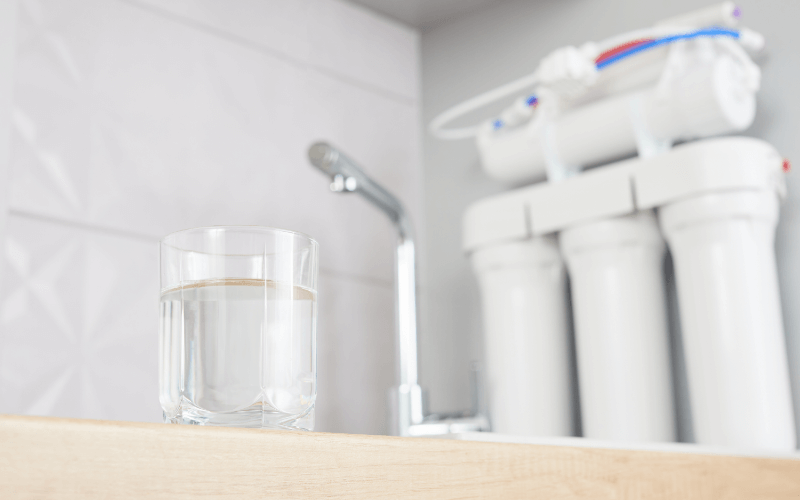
238	327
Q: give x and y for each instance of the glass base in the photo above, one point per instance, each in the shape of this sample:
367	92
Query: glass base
254	417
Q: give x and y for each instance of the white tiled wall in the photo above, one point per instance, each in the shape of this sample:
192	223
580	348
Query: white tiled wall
136	118
78	321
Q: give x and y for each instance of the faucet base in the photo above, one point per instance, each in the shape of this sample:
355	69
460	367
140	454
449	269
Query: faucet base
405	408
478	423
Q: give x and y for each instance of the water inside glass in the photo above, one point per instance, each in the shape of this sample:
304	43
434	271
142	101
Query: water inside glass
238	352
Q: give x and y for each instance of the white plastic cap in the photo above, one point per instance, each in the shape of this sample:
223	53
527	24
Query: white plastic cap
713	165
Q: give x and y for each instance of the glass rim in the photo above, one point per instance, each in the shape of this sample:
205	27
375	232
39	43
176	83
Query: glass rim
256	228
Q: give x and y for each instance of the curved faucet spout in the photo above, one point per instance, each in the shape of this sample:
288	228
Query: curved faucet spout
346	176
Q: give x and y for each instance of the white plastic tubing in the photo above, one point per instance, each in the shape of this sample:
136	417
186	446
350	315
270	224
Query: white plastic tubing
621	330
723	248
526	331
723	14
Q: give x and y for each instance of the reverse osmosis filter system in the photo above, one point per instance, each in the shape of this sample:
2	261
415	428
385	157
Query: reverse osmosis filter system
711	201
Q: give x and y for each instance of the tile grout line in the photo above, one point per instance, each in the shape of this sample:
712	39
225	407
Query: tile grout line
356	278
208	29
83	225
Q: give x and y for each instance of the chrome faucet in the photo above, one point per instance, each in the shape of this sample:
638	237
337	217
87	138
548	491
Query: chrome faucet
406	398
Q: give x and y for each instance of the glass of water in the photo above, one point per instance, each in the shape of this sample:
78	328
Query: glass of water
238	327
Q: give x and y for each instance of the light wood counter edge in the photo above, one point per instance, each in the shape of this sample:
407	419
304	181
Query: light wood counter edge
69	458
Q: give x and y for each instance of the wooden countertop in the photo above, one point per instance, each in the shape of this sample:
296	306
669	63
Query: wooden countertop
65	458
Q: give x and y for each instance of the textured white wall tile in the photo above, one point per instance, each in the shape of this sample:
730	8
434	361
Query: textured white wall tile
181	128
80	323
344	39
278	25
356	43
355	356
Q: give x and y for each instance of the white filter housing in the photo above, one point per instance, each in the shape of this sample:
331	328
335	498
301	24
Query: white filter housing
706	98
527	337
717	205
621	329
723	248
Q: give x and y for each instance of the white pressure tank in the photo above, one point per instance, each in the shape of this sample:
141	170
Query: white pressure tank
526	330
723	247
616	269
